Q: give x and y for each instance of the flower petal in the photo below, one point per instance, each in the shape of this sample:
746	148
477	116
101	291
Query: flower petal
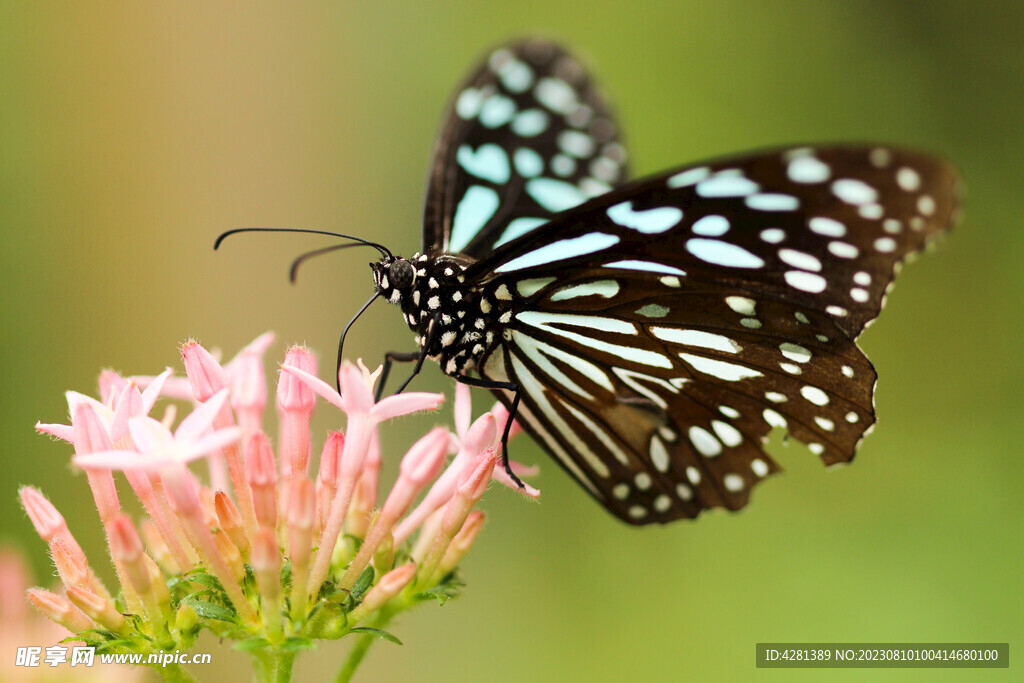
316	384
403	404
152	391
201	419
356	389
149	435
64	432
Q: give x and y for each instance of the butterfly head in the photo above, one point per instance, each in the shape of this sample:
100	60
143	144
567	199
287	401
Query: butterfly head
393	277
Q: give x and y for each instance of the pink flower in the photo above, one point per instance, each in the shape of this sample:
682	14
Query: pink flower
322	555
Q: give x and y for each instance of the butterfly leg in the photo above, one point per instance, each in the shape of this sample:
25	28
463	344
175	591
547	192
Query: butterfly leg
418	356
507	386
390	358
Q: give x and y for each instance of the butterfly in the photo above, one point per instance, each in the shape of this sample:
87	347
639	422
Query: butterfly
649	334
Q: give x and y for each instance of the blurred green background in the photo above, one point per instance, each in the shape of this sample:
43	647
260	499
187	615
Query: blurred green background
133	134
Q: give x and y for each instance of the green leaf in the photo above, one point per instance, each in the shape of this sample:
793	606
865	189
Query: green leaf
363	583
296	643
210	610
250	644
369	630
208	580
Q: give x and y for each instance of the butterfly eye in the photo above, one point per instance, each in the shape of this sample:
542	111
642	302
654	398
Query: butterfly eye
401	273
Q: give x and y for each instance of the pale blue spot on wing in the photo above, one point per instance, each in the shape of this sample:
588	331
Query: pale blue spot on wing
652	311
474	210
518	228
497	110
530	123
489	162
561	250
689	177
576	143
516	76
711	226
528	163
603	288
723	254
592	187
468	104
649	221
555	195
556	95
562	165
649	266
768	201
726	185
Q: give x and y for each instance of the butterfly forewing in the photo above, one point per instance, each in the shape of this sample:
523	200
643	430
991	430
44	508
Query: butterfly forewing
526	136
660	332
828	239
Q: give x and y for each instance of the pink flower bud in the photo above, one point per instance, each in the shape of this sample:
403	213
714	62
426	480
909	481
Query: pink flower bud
204	373
476	476
126	548
301	520
231	522
462	542
98	609
261	473
293	394
59	609
266	563
90	436
327	478
390	585
423	461
73	568
48	522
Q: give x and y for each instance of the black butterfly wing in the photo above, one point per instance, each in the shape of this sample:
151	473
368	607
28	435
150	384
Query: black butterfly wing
659	332
528	119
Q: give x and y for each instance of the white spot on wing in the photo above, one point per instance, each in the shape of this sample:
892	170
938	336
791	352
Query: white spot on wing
711	226
689	177
554	195
727	185
519	227
723	253
806	282
814	395
741	304
474	210
707	340
649	221
648	266
706	444
829	227
807	169
489	162
603	288
561	250
729	372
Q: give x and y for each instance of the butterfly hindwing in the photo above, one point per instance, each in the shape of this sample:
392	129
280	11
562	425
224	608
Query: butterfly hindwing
526	136
659	332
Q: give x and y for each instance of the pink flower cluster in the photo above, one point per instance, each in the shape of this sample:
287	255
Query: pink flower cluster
261	511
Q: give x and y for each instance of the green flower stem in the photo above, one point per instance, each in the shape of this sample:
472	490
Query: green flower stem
174	673
273	666
362	646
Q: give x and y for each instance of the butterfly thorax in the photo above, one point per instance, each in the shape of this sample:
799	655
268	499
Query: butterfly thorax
432	291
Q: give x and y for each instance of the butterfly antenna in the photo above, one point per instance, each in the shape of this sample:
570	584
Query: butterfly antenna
379	247
341	342
302	258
